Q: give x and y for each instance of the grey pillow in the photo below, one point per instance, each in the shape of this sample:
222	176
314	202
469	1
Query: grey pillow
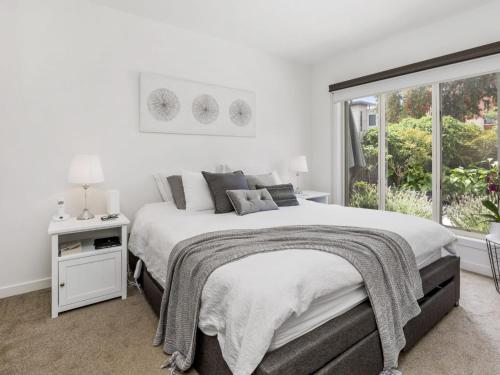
283	195
250	201
177	189
260	179
219	183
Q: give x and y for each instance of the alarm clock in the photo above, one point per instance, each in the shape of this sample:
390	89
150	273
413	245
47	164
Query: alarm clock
60	214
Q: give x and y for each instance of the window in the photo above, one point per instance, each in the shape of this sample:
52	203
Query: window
408	137
469	143
372	119
420	160
361	155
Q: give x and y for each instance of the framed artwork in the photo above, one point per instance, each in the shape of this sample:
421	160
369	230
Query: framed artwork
180	106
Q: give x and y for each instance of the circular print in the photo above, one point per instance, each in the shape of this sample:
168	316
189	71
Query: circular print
205	109
240	112
163	104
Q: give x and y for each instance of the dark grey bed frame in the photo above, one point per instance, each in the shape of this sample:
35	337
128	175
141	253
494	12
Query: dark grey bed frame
348	344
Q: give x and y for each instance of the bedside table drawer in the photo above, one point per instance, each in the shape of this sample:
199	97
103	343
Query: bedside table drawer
89	277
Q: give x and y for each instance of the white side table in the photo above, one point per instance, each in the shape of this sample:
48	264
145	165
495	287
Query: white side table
315	196
90	275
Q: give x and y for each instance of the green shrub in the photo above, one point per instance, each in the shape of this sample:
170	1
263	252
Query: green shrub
409	155
485	145
462	212
364	195
408	149
465	213
406	201
466	181
409	202
457	142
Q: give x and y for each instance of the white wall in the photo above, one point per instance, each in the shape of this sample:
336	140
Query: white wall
471	29
69	84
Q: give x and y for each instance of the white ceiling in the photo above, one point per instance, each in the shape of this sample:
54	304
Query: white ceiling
301	30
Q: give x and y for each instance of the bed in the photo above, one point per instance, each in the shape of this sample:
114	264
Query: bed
318	319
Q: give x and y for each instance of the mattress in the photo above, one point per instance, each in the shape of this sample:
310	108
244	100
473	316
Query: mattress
332	305
261	302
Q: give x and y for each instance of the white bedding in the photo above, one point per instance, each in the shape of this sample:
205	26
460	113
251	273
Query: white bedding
261	302
330	306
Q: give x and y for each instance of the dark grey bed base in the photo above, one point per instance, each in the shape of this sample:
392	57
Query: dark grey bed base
347	344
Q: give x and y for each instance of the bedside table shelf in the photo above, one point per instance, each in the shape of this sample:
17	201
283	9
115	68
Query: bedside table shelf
90	275
89	253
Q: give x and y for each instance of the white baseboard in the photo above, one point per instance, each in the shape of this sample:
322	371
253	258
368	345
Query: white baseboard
476	268
21	288
473	255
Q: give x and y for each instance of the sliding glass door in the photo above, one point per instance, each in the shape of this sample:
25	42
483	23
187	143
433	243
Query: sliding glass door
362	152
404	155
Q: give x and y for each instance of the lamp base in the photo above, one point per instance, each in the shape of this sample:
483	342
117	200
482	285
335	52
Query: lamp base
298	190
85	215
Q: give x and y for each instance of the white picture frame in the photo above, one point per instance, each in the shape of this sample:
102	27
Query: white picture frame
180	106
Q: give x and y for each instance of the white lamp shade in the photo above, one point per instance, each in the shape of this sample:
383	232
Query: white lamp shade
299	164
85	170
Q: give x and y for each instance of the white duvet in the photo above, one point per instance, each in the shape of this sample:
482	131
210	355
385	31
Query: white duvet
245	302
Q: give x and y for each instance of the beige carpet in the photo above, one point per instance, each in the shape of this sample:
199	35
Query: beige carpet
114	337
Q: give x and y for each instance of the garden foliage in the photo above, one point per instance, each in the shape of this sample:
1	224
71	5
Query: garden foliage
468	152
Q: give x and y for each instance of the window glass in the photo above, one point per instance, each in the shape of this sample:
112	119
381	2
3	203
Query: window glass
469	118
362	132
468	145
408	135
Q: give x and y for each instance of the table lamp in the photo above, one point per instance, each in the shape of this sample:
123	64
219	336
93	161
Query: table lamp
299	165
85	170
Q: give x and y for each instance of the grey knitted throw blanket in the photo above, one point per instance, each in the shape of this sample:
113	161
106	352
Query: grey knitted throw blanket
384	259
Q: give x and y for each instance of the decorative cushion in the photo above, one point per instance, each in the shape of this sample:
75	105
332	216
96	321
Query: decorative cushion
196	192
177	189
283	195
266	179
219	183
250	201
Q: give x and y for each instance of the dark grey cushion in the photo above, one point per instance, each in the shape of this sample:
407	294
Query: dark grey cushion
283	195
177	189
219	183
250	201
260	179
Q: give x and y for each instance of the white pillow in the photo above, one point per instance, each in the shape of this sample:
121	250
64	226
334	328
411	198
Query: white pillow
252	169
277	178
196	191
163	186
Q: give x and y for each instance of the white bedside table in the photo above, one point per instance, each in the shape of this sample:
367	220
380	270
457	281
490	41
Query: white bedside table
91	275
315	196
